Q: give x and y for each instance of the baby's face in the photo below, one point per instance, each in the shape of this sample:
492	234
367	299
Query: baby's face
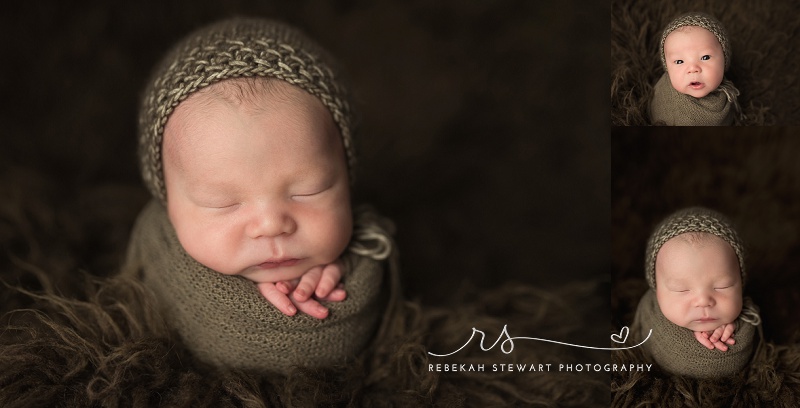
695	61
257	188
698	284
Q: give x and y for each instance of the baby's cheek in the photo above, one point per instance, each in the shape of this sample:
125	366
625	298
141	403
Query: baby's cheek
673	79
210	248
336	241
672	316
673	309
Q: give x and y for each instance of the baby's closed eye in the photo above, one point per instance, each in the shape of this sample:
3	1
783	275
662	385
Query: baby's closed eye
217	204
312	191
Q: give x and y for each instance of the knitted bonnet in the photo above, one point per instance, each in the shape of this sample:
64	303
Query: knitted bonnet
236	48
694	219
701	20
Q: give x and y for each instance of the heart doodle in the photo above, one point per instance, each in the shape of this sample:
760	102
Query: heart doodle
622	336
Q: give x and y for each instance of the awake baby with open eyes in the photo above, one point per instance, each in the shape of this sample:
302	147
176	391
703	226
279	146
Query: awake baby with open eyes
702	326
693	91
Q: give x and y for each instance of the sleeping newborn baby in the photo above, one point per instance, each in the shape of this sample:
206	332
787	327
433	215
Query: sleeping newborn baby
250	243
702	327
695	53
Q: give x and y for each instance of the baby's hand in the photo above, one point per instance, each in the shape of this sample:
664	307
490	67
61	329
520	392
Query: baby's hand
720	338
321	281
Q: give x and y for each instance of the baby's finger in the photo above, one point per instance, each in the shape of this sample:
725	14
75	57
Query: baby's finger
702	337
331	275
311	307
720	346
287	287
726	334
715	336
338	294
309	281
278	299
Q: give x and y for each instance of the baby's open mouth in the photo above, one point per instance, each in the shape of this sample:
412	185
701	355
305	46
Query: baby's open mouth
695	84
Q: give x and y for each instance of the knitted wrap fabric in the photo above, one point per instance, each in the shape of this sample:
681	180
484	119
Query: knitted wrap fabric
693	219
236	48
672	108
701	20
675	349
225	321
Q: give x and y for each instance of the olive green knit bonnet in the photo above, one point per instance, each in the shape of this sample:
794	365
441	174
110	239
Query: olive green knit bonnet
236	48
701	20
694	219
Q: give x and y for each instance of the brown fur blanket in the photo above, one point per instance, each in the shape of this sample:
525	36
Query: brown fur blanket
765	63
109	347
772	379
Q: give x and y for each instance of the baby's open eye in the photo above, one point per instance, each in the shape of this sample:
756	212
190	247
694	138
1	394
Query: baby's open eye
678	62
705	57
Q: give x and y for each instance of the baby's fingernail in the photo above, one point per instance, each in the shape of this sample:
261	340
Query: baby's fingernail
292	309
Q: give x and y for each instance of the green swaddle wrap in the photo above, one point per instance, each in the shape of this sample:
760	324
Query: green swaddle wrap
675	349
225	321
673	108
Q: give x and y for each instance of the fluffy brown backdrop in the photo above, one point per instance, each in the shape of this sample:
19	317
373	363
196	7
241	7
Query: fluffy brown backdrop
480	137
753	176
765	65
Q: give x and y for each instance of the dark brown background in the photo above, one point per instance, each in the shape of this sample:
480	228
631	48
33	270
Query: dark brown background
484	134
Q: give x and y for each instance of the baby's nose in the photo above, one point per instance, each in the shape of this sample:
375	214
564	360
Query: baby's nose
704	300
270	223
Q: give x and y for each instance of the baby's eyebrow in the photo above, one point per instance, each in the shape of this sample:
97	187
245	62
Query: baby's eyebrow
673	280
210	187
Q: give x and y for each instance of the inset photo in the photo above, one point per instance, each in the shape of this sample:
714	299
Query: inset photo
705	231
705	63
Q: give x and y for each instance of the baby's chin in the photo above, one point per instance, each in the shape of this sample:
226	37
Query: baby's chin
697	93
704	326
258	274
